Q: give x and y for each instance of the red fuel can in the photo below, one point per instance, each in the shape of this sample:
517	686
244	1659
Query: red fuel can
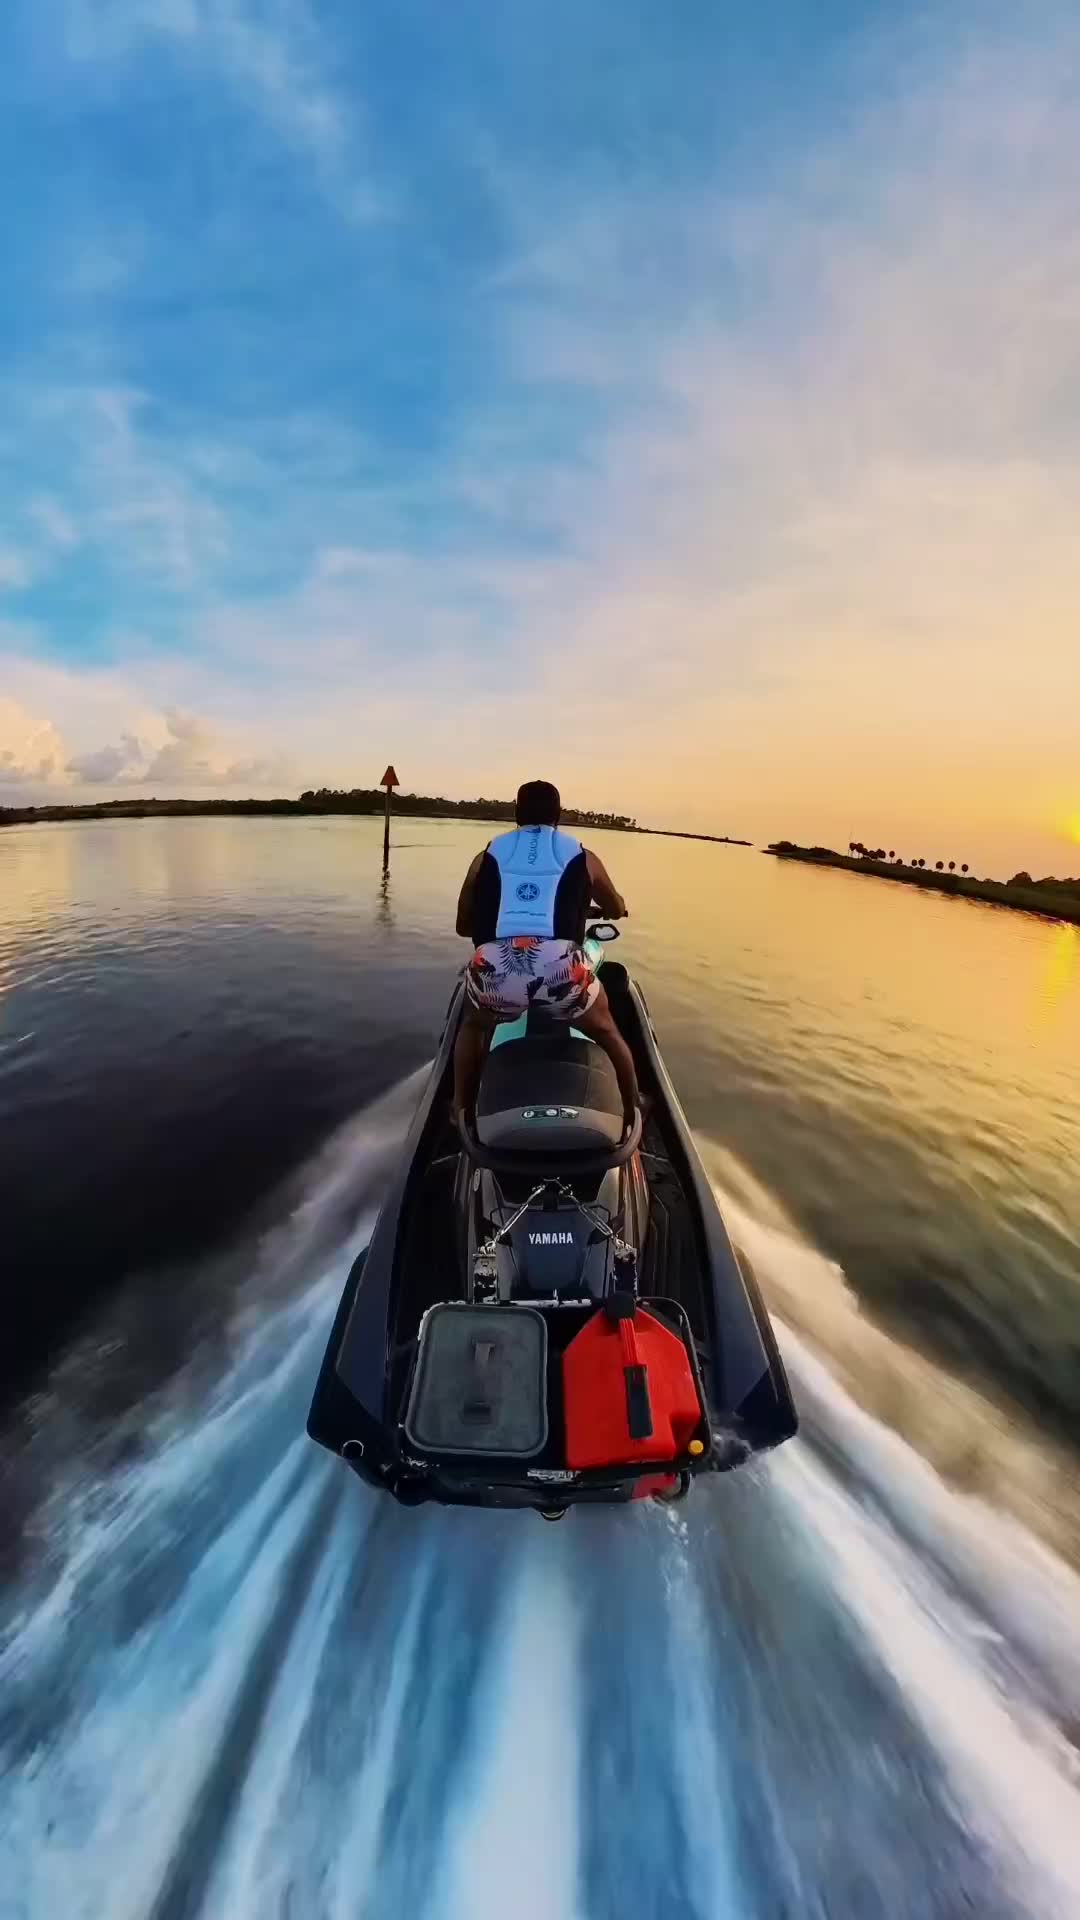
629	1392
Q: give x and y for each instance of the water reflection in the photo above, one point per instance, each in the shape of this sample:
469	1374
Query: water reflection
38	866
1060	970
384	909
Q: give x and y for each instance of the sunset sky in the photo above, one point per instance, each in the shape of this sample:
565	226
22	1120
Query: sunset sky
679	401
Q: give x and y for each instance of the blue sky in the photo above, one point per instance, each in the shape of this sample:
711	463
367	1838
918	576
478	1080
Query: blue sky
681	389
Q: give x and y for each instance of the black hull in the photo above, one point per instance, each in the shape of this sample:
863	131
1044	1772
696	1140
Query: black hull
418	1255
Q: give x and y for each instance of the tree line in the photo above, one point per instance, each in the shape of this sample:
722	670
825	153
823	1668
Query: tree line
1022	882
372	800
860	852
362	800
1049	884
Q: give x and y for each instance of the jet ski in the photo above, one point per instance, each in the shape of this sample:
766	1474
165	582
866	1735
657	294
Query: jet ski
550	1312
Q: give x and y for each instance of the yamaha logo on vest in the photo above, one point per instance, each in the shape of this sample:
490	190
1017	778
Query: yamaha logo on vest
528	890
551	1239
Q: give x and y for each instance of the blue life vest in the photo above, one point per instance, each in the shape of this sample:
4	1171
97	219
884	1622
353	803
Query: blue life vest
531	863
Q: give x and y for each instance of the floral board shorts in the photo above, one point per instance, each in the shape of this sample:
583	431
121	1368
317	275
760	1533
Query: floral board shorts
507	977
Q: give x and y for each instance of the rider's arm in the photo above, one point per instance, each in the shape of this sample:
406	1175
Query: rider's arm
606	896
465	899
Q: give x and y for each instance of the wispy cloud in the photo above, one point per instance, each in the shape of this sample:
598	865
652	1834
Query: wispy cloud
835	524
747	497
16	569
54	524
275	59
129	490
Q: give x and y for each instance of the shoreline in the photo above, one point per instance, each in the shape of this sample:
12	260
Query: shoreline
993	893
425	809
677	833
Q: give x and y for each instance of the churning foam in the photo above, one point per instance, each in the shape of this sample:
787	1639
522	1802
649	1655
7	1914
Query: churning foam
250	1687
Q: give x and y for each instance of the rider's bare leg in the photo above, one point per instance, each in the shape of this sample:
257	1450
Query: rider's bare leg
599	1024
470	1052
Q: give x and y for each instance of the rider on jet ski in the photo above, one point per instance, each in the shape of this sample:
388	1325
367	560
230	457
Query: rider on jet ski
524	905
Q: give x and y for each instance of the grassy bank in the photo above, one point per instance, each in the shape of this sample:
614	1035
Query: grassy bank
1051	902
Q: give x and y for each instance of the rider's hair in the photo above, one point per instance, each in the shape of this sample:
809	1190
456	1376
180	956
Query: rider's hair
538	804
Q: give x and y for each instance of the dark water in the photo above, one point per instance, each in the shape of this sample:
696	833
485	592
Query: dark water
231	1683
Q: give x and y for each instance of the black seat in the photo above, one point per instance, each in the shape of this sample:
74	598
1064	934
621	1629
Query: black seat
550	1090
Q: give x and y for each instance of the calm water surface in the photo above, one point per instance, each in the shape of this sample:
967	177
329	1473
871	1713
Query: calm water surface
844	1683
